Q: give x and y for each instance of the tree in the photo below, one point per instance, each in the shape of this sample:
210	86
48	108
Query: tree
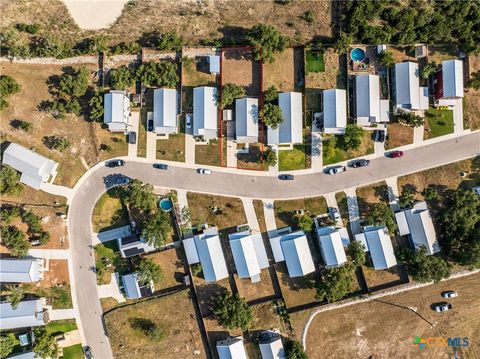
169	41
15	241
156	230
74	85
15	294
428	70
9	181
28	28
270	157
294	350
230	92
356	251
270	95
121	78
352	139
343	43
386	58
329	145
423	267
232	311
305	222
271	115
410	119
406	198
8	86
96	106
269	39
56	143
162	74
45	345
336	283
196	269
7	343
475	80
148	328
430	193
140	196
380	214
308	16
148	271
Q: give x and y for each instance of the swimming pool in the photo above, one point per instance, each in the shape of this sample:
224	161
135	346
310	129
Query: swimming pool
357	54
165	204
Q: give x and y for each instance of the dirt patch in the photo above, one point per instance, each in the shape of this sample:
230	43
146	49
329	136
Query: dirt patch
57	274
172	268
398	135
206	292
238	67
367	195
281	72
377	278
251	291
296	291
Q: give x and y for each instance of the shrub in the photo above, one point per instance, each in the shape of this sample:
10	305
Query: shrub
8	87
163	74
380	214
269	39
428	70
169	41
386	59
270	157
305	222
308	16
271	115
9	181
7	343
121	78
56	143
232	311
270	95
356	251
410	119
196	269
230	92
294	350
29	28
96	106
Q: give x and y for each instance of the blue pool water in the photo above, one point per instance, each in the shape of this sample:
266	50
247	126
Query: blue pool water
165	204
357	54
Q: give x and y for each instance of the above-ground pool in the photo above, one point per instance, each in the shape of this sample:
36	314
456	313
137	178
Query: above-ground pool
357	54
165	204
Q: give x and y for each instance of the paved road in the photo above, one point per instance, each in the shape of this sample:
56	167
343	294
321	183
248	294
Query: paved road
227	183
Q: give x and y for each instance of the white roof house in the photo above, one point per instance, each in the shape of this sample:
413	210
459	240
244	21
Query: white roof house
214	64
205	248
334	111
165	111
132	288
293	248
21	270
26	355
290	130
246	120
452	73
133	245
36	169
368	106
272	348
29	313
331	241
205	112
378	243
231	348
417	223
408	93
249	254
116	111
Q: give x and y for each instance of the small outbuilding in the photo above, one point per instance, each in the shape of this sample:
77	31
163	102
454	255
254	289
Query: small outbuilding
133	289
214	64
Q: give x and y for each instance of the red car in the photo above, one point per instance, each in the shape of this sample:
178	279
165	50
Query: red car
395	154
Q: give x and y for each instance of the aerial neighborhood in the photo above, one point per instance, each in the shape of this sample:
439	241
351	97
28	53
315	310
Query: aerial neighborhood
179	180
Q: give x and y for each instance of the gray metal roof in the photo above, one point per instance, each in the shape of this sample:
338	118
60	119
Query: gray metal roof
116	109
231	348
165	110
452	72
380	247
211	256
334	111
367	99
205	112
331	246
19	270
132	288
214	64
249	254
29	313
246	120
296	252
408	93
272	349
290	130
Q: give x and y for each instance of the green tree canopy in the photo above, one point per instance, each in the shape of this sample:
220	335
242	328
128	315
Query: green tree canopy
140	196
7	343
423	267
305	223
336	283
352	139
15	294
380	214
269	39
121	78
294	350
148	271
96	106
45	345
162	74
406	198
232	311
270	157
156	230
230	92
475	80
386	58
428	70
15	241
271	115
343	43
8	86
169	41
74	85
56	143
356	251
270	95
9	181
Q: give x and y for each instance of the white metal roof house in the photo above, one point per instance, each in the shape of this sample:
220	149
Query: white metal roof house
331	241
271	346
452	79
334	111
36	169
116	111
246	120
26	355
205	248
205	112
417	223
132	288
249	254
368	106
378	243
21	270
133	245
214	64
29	313
165	111
408	93
231	348
290	130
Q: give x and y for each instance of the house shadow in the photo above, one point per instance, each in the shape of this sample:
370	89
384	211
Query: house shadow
296	283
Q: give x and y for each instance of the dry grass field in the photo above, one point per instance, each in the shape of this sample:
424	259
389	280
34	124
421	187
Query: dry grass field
471	101
172	268
281	72
398	135
284	210
367	195
386	328
251	291
238	67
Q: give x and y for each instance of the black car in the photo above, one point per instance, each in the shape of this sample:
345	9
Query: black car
286	177
87	351
132	137
160	166
380	136
115	163
360	163
150	125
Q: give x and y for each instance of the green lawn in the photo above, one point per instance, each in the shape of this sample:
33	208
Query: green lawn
109	212
315	61
339	155
109	251
290	160
61	326
285	210
73	352
172	149
209	154
142	135
440	122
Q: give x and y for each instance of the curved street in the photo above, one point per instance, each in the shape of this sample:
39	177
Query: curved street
229	182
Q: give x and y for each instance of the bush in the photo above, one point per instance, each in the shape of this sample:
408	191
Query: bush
96	106
29	28
90	46
148	328
270	95
294	350
56	143
232	311
428	70
410	119
8	86
121	78
271	115
74	85
230	92
305	223
33	221
475	80
269	39
196	269
343	43
356	251
336	283
15	241
7	343
352	139
8	212
9	181
308	16
406	198
131	48
169	41
163	74
270	157
25	126
380	214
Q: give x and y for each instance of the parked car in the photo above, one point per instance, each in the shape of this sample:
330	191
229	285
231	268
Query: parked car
334	213
87	351
449	294
188	120
160	166
286	177
442	307
336	169
204	171
380	135
395	154
360	163
115	163
150	125
132	137
122	180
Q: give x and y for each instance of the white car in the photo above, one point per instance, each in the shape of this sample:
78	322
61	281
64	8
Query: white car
188	120
204	171
334	213
443	307
336	169
449	294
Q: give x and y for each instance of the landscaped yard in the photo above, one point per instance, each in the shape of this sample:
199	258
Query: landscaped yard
366	148
398	135
334	74
174	315
290	160
142	135
284	210
209	154
172	149
109	260
281	72
438	123
73	352
109	212
314	61
61	326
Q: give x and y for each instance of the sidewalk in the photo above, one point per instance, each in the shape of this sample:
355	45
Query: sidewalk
317	156
269	213
151	145
60	314
189	149
353	213
50	253
57	190
418	135
231	154
134	121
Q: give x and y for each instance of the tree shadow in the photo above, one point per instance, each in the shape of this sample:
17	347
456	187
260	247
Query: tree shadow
143	325
233	35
